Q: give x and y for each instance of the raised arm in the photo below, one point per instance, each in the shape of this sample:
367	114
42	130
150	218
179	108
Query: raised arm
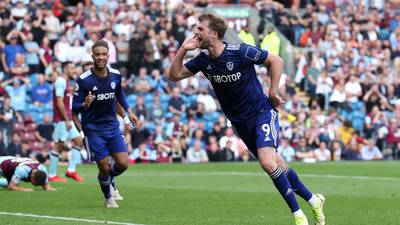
178	70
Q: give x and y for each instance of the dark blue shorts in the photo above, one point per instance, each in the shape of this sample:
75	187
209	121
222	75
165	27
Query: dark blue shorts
260	131
100	146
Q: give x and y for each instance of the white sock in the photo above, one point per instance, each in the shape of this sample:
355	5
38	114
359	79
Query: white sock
298	213
314	201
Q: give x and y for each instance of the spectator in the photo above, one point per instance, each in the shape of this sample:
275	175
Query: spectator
286	151
176	151
123	50
62	49
19	68
213	152
41	92
157	83
370	151
11	50
176	104
337	151
230	136
8	117
208	101
15	147
46	53
18	91
140	110
136	52
353	89
52	26
196	154
142	83
322	153
227	153
304	152
44	131
32	54
153	48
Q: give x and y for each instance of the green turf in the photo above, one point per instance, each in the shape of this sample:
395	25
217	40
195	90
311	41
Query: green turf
358	193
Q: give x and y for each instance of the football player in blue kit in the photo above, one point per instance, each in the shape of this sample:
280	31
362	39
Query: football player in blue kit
94	97
230	69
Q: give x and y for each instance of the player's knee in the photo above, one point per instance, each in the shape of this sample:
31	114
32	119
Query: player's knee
78	142
104	171
122	166
268	165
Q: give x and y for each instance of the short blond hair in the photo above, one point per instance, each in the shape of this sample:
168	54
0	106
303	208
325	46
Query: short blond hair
215	23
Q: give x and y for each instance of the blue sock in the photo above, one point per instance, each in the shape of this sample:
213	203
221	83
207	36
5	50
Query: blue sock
104	182
54	158
75	159
297	185
3	183
281	183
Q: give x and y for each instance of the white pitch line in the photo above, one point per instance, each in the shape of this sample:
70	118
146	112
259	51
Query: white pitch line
236	173
65	218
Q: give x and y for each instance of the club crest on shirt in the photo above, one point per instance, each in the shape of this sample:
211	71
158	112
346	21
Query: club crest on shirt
113	85
229	65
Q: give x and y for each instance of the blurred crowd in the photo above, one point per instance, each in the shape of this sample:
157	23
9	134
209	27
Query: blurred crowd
342	102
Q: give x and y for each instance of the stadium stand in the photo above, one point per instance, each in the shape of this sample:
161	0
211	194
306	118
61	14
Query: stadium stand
344	91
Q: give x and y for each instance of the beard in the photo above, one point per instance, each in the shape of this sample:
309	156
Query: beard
204	45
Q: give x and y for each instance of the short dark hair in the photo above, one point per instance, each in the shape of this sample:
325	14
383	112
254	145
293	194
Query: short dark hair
87	63
39	178
65	64
215	23
99	43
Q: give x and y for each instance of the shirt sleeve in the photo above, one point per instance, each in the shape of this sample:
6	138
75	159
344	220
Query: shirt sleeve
60	87
252	55
79	96
195	65
121	96
19	174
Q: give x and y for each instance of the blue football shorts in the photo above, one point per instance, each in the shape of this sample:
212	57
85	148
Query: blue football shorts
260	131
101	146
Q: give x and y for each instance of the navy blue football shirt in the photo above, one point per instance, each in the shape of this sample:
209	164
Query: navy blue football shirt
100	117
234	79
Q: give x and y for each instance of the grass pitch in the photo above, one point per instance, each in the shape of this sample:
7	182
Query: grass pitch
358	193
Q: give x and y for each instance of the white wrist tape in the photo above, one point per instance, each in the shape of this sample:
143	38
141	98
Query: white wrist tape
127	120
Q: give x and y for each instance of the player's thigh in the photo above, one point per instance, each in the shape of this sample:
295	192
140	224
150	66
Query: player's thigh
60	132
75	136
97	146
119	150
247	133
267	129
267	158
121	159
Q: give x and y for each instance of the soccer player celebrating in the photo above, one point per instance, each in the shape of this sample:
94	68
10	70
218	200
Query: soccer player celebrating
94	95
64	130
230	69
14	170
114	191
